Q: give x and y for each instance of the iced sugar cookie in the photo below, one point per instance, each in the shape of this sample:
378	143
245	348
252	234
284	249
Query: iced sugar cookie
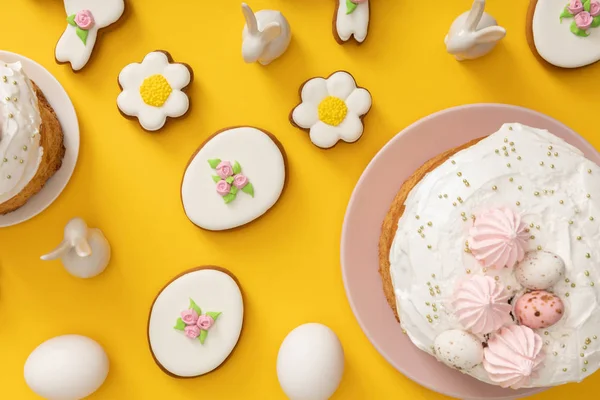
565	33
84	19
196	321
351	19
154	90
332	109
236	176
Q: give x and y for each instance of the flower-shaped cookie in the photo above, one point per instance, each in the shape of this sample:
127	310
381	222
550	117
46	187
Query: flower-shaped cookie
152	90
332	109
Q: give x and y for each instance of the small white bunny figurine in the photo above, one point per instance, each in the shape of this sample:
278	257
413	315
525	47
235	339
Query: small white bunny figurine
84	252
473	34
266	35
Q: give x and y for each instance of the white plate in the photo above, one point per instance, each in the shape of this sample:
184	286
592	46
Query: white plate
61	103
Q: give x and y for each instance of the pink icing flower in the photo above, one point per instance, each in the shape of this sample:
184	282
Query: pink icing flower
239	181
84	19
575	7
190	317
224	169
205	322
192	331
223	188
584	20
594	8
359	1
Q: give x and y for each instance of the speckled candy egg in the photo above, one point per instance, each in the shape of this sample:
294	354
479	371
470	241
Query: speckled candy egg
539	309
540	270
458	349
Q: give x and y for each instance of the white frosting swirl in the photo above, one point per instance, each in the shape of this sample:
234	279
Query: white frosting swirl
20	151
556	190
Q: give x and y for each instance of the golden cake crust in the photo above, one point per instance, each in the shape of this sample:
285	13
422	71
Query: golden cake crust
51	140
390	223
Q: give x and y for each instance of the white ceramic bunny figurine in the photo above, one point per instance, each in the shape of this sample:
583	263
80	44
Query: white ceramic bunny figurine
266	35
473	34
84	252
84	19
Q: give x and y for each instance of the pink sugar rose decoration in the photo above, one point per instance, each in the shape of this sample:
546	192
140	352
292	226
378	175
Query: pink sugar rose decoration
84	19
359	1
594	8
190	317
239	181
205	322
223	188
224	169
192	331
584	20
575	6
498	238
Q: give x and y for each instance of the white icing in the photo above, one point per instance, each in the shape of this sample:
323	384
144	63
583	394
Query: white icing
70	47
418	271
211	290
20	150
130	101
261	161
556	43
341	85
356	23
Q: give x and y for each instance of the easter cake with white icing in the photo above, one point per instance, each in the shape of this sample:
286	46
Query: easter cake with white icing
489	259
31	138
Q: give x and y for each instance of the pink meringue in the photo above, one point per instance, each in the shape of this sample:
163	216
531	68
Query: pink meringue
498	238
481	304
513	356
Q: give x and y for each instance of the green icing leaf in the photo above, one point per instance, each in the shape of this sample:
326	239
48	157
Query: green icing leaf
237	168
203	335
180	325
233	190
228	198
213	315
216	178
350	7
229	179
195	307
587	5
565	14
249	189
82	33
71	20
596	22
579	32
214	162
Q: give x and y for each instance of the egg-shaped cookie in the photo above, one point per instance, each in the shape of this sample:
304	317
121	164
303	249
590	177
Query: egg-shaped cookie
195	322
235	177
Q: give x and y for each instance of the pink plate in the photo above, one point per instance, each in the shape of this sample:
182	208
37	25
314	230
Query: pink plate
359	253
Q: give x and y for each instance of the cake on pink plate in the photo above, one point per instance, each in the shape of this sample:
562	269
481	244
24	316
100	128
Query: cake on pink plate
490	259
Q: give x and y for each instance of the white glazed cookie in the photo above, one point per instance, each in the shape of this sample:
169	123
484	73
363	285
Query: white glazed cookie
351	19
234	178
566	33
84	19
332	109
153	90
196	322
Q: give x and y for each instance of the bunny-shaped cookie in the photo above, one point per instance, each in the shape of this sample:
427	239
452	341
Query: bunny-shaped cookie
266	35
473	34
84	252
84	19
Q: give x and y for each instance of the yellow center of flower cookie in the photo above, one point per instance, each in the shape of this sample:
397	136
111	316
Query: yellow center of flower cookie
155	90
332	110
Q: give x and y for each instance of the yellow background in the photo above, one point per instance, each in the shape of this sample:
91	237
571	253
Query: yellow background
127	181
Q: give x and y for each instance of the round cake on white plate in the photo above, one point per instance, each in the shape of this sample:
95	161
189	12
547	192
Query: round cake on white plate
490	259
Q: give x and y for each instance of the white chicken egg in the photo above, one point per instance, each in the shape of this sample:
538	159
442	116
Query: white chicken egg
540	270
458	349
310	363
68	367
